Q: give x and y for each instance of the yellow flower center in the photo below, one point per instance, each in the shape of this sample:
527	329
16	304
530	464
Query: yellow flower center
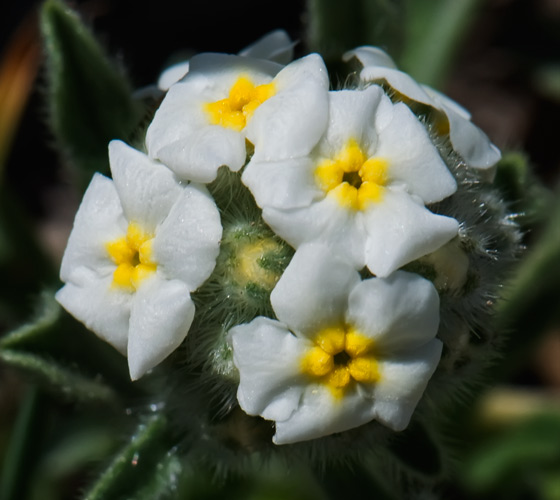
352	178
133	256
341	356
244	98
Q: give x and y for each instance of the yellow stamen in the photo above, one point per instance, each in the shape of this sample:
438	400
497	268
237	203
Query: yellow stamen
328	174
133	256
331	339
341	355
347	196
339	377
354	180
317	362
364	369
357	344
120	251
122	276
374	170
244	98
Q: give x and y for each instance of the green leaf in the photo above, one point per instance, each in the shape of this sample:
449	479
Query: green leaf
18	458
68	382
162	481
433	32
90	100
145	463
55	339
79	444
24	266
336	27
513	457
47	315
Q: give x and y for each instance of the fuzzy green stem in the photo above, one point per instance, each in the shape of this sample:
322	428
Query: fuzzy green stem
68	382
116	476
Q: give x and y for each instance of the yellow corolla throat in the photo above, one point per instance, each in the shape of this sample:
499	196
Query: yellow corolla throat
244	98
352	178
133	256
340	357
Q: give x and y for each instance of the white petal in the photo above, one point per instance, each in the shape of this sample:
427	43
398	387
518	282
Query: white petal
370	56
181	134
291	122
313	291
187	243
351	116
225	69
172	75
403	381
199	155
413	159
147	189
446	103
320	414
471	143
180	113
282	184
98	220
400	230
400	312
268	358
467	139
324	222
161	315
399	81
275	46
103	309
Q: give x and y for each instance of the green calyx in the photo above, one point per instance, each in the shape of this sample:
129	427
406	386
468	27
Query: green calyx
250	264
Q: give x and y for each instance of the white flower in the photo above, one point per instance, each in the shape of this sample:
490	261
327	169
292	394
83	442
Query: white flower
224	100
363	189
467	139
344	351
275	46
140	244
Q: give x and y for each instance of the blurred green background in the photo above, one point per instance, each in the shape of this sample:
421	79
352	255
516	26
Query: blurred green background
498	58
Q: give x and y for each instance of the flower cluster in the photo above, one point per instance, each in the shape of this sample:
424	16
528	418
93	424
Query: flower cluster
305	237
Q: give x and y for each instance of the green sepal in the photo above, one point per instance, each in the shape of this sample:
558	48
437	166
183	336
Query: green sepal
146	468
525	194
90	100
530	302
